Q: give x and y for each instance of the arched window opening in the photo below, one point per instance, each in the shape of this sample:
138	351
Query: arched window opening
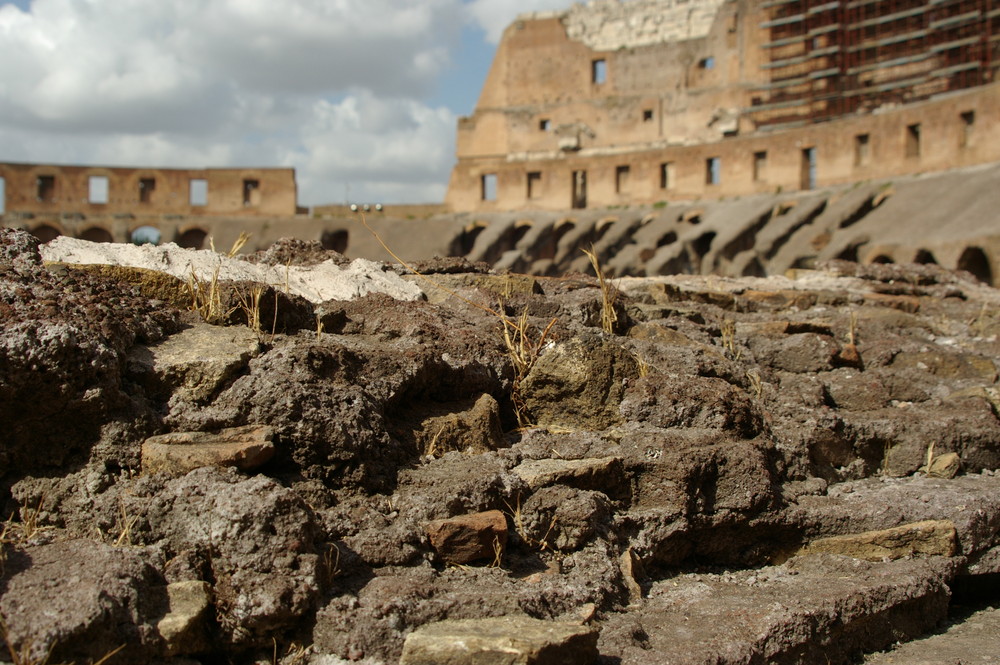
45	233
96	234
335	240
192	239
974	260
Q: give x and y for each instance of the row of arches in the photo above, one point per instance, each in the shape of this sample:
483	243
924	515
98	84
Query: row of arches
193	238
972	260
545	244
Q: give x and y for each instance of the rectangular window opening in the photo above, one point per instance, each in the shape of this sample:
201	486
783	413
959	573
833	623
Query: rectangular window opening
544	124
862	150
579	189
621	179
706	63
146	188
666	175
251	192
97	189
808	168
713	174
968	122
599	71
534	184
647	115
759	165
913	140
45	188
488	186
198	192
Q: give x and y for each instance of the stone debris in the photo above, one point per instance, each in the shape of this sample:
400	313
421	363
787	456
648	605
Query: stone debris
944	466
509	640
184	628
579	384
605	474
195	364
333	489
78	600
474	429
974	640
245	448
467	538
316	283
929	538
813	609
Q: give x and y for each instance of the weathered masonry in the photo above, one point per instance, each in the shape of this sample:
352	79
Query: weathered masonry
83	191
614	103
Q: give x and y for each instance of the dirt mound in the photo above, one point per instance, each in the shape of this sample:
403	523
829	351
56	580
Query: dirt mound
739	470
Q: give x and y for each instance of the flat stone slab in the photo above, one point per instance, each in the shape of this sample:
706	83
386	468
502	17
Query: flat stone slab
194	364
245	448
970	502
601	474
974	641
927	538
510	640
813	609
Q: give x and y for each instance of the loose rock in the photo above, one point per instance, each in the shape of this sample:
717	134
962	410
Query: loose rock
469	538
245	448
505	640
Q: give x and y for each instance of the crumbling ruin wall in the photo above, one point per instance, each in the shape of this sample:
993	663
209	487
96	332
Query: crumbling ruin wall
615	103
606	25
76	191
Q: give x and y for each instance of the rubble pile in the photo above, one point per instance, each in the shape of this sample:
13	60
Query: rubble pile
680	469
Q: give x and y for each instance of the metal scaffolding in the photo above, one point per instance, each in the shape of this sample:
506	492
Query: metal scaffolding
826	59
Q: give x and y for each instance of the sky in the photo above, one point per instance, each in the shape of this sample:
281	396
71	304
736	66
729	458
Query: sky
361	97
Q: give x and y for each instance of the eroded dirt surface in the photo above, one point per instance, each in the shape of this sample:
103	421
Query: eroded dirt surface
657	481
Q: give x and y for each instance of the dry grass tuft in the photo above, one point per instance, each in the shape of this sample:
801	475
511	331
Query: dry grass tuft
249	303
124	525
523	342
756	383
728	333
515	515
524	347
609	294
22	532
206	299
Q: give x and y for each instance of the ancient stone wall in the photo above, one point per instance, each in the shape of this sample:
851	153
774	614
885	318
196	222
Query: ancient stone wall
851	149
80	191
607	25
622	103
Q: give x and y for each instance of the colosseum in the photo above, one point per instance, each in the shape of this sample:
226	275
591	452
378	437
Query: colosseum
728	137
616	103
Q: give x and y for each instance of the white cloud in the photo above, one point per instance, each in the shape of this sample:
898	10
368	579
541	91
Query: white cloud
381	149
331	87
493	16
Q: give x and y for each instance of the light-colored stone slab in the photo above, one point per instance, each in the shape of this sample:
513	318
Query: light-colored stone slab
194	364
183	627
592	473
927	538
510	640
245	448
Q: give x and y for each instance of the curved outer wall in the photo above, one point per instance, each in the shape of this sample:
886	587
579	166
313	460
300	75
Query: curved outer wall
714	99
